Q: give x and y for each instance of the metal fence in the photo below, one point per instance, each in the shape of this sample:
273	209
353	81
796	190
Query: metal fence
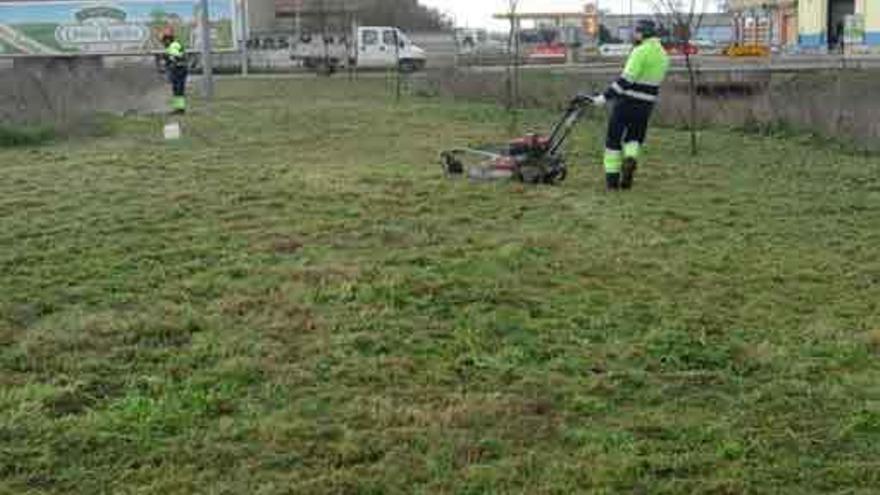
734	91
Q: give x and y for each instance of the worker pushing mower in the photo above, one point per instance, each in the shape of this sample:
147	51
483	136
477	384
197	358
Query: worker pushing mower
538	159
633	96
176	68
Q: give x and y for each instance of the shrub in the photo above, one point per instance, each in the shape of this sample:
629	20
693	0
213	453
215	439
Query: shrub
24	135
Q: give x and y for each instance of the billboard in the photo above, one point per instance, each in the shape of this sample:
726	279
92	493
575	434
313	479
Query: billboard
854	30
67	26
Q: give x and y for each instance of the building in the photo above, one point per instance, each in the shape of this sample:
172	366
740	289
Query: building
717	28
826	22
572	28
812	25
765	22
286	16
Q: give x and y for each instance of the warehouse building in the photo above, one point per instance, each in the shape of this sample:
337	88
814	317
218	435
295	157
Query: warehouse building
815	25
828	22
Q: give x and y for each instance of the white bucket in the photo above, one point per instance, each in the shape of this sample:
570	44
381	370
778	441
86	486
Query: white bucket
172	131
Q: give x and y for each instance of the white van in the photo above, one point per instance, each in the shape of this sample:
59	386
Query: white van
376	47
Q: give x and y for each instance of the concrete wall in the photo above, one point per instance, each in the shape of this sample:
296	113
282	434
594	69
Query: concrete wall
62	90
261	16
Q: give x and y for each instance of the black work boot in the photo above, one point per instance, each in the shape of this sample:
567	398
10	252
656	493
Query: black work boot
630	165
612	181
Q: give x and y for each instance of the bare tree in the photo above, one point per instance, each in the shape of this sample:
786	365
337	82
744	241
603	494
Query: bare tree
350	43
684	18
398	70
409	14
513	41
323	21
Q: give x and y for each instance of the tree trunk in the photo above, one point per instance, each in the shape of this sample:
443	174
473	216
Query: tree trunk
692	93
516	65
508	102
399	81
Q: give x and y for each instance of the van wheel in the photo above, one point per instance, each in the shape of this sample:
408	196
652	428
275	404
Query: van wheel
408	66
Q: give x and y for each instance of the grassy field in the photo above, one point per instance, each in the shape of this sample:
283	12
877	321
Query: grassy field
293	300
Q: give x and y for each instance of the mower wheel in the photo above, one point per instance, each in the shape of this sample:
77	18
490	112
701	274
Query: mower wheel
557	177
451	165
529	175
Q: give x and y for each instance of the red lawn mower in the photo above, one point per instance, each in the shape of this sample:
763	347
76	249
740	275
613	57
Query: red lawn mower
531	159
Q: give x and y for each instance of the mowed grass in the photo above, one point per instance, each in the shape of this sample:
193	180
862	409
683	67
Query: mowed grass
294	300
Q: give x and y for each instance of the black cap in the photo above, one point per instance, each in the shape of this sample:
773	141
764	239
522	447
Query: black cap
647	28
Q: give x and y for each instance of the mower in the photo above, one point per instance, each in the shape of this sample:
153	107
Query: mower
531	159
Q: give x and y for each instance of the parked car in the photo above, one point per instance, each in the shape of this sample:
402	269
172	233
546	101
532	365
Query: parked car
707	47
681	48
548	53
615	49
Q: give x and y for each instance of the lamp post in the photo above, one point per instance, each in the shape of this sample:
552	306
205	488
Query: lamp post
207	63
244	35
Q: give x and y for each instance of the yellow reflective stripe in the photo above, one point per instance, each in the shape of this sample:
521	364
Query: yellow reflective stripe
632	149
175	49
613	161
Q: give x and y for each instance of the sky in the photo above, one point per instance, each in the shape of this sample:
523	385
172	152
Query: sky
478	13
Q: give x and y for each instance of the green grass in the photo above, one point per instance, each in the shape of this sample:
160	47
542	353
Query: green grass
293	300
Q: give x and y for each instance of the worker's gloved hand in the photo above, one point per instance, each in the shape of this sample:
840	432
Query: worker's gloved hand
582	99
598	100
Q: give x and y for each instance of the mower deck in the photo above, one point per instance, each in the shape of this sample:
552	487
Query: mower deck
532	159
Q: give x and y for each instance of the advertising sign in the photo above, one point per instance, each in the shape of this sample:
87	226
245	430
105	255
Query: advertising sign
854	33
106	27
854	30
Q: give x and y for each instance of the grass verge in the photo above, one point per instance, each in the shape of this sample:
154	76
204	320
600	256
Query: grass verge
293	300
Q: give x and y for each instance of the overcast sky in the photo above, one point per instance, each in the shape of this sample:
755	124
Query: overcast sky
478	13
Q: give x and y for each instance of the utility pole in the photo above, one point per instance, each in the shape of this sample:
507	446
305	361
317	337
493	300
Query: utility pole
207	63
245	37
632	27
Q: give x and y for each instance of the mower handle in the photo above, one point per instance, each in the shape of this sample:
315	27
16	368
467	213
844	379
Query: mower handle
582	99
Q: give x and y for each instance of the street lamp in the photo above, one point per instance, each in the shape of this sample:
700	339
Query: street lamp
244	35
207	65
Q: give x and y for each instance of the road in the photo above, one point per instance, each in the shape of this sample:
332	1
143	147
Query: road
705	64
713	64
